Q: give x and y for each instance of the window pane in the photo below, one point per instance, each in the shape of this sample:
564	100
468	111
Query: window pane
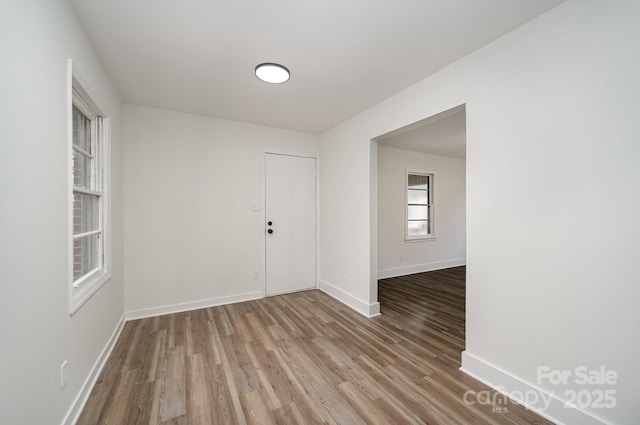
85	255
418	196
415	181
418	212
85	213
81	130
81	170
418	228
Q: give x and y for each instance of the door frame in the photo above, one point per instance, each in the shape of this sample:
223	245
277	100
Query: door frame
264	211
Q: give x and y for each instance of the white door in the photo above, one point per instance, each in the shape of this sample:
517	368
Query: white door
290	223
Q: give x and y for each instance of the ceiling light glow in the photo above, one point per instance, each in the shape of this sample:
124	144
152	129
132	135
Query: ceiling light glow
272	73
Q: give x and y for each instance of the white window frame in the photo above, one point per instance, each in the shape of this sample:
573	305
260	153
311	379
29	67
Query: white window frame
430	203
82	289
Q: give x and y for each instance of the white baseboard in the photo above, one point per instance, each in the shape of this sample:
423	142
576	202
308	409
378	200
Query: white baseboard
548	405
362	307
420	268
192	305
83	395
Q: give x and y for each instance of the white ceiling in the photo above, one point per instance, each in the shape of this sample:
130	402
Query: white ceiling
442	134
198	56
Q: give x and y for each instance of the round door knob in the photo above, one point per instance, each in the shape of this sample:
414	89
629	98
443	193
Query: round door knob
270	231
269	223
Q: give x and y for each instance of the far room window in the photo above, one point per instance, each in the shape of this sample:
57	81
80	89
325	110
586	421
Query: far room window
89	217
419	206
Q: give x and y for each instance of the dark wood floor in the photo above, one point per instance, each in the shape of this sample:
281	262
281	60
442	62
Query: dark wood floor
301	358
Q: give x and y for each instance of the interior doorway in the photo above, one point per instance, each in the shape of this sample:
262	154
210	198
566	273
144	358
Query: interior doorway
433	147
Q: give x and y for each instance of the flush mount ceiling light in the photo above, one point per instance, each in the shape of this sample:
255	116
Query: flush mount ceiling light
272	73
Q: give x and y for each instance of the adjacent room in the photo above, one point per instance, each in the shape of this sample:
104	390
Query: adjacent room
421	195
341	212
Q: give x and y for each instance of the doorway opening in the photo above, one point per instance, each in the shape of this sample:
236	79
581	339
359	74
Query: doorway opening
419	201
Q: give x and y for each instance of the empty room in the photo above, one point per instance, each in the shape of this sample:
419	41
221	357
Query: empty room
340	212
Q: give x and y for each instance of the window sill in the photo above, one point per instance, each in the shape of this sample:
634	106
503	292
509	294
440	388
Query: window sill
427	239
86	289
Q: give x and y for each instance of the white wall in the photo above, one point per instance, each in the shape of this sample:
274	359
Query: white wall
448	248
346	268
192	238
553	197
37	333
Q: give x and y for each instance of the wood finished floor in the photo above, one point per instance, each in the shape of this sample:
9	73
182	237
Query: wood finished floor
301	358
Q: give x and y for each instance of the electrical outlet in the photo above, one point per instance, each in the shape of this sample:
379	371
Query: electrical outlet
404	257
255	274
346	280
63	374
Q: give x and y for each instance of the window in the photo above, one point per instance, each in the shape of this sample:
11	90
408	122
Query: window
419	206
89	216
